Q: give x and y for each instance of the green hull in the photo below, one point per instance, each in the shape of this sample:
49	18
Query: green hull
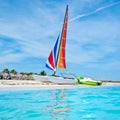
88	82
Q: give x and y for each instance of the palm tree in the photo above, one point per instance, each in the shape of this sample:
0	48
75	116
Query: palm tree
13	72
43	73
6	70
22	73
5	73
30	73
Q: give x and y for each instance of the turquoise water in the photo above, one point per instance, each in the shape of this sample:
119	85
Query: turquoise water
94	103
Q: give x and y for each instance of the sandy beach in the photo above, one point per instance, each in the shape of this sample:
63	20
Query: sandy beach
33	84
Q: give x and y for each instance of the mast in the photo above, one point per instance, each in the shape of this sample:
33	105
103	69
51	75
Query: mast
56	57
61	61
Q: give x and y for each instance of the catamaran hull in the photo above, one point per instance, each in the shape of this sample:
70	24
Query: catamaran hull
61	80
57	80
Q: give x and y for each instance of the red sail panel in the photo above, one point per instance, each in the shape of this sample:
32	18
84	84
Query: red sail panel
61	55
51	61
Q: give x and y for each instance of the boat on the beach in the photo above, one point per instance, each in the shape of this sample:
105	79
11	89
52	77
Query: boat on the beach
88	81
57	59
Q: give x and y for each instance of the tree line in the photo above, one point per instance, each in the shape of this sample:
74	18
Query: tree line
13	71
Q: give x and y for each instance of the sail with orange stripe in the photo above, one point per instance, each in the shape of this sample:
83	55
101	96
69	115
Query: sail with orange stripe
57	57
61	61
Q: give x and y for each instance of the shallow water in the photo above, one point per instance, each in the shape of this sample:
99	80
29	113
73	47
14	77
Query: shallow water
94	103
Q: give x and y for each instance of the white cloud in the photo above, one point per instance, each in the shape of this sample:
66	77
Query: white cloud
95	11
11	58
36	32
34	35
102	34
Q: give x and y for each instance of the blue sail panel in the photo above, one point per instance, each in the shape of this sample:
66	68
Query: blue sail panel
52	59
49	67
55	50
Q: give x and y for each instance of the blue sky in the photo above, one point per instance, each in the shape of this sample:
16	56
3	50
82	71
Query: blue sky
29	29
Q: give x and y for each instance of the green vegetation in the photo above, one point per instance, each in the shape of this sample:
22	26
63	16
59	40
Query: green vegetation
14	72
22	73
30	73
43	73
6	70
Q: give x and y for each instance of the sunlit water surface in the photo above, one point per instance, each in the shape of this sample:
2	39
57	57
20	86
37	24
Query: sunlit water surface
93	103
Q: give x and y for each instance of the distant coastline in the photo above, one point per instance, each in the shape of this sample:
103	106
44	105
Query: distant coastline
111	81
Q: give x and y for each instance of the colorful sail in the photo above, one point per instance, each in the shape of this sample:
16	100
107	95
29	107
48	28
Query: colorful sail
57	56
51	61
61	63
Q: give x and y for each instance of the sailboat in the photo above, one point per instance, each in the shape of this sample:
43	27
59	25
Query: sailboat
57	56
57	59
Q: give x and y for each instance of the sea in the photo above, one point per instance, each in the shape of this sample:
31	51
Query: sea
88	103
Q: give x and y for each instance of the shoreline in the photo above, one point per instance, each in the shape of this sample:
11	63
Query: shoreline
36	85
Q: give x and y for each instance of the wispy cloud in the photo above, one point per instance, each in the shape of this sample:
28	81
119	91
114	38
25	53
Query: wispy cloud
95	11
30	32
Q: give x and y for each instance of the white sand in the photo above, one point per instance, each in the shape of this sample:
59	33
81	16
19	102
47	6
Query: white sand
32	84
